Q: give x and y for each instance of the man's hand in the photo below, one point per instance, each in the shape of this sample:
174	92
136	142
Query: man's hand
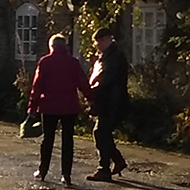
95	73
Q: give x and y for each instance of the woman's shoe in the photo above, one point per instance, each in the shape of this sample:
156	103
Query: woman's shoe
66	179
37	174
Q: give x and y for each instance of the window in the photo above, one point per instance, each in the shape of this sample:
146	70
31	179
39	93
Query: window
26	32
147	36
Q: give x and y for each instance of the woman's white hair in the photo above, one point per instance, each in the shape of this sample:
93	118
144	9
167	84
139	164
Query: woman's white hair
56	40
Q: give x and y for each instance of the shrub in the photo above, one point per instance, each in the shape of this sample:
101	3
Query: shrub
22	83
151	104
181	130
84	121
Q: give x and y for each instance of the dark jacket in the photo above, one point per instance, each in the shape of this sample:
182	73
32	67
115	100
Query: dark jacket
111	97
57	78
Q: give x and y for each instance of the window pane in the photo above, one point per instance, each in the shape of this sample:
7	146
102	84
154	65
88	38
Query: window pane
26	31
138	35
20	23
26	35
158	35
149	36
34	21
137	54
20	34
18	49
148	50
33	48
34	35
160	19
26	48
26	21
149	19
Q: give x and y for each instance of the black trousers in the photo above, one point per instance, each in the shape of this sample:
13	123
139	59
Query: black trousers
49	125
105	143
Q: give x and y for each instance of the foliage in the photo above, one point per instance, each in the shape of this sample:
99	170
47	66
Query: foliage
182	121
151	115
179	39
88	15
92	14
181	130
145	80
91	18
22	82
51	8
151	111
84	121
176	36
176	41
154	105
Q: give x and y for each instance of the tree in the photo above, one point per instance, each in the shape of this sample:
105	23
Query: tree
180	40
89	15
92	16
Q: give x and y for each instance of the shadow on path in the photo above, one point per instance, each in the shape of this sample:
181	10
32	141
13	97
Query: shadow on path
50	185
183	184
138	185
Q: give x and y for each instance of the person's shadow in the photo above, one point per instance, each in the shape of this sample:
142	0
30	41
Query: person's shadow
133	184
138	185
183	184
125	183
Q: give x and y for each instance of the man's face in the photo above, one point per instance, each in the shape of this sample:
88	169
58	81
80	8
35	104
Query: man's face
103	43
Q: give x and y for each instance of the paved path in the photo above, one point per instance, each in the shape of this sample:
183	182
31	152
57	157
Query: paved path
149	169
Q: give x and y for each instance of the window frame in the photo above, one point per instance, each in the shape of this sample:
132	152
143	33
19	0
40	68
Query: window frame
147	8
26	13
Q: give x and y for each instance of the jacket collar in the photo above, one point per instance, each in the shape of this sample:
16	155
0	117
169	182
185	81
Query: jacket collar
111	49
59	49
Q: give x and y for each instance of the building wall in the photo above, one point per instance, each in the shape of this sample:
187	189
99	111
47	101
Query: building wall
5	65
3	33
62	19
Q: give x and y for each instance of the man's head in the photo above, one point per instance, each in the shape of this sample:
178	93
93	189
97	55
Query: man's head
56	40
102	38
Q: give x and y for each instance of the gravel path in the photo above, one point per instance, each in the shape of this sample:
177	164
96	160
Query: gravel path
148	169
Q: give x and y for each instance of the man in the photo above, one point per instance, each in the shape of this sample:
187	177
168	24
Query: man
109	83
54	94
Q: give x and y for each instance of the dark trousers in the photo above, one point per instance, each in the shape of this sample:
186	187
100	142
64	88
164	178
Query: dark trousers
105	143
49	125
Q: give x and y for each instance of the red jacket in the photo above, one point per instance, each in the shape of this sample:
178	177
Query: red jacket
57	78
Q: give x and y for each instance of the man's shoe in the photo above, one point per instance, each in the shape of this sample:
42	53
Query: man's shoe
118	168
37	174
100	176
66	179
